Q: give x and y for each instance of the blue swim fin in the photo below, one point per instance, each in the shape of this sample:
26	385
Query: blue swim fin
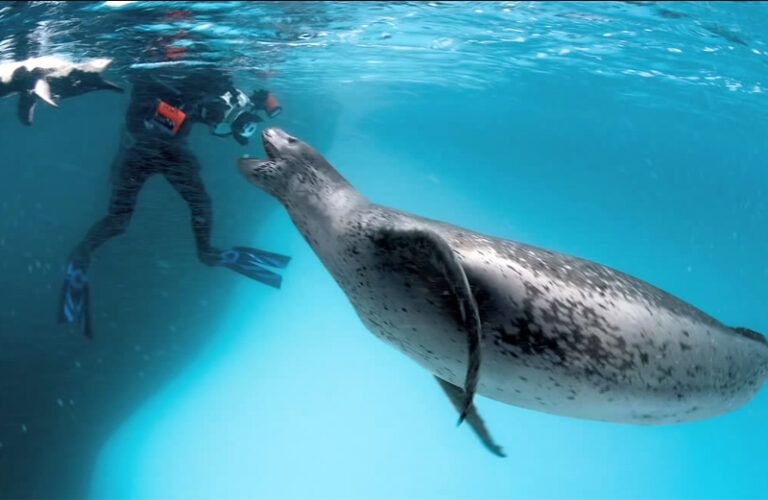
74	303
249	261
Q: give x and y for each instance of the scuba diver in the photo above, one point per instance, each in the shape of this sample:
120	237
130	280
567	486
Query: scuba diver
164	105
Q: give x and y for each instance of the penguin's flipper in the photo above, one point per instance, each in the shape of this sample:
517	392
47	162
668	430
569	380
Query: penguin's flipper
108	85
26	110
43	91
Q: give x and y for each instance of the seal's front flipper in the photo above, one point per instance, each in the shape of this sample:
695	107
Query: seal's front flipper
456	395
74	303
430	258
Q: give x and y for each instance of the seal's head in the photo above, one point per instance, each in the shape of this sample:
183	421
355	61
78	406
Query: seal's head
292	166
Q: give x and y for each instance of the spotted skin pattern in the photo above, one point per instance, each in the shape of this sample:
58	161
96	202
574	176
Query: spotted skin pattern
560	334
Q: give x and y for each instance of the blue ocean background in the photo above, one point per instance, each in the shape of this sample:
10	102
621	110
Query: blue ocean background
632	134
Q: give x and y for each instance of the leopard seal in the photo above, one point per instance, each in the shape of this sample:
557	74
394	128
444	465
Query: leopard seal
516	323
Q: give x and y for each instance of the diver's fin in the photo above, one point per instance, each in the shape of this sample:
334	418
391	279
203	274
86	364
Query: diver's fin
26	109
43	91
249	261
475	421
440	274
74	301
266	258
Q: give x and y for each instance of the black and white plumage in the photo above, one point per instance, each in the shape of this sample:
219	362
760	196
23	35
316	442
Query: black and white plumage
49	79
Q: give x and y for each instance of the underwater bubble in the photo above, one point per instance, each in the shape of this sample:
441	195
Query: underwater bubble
442	43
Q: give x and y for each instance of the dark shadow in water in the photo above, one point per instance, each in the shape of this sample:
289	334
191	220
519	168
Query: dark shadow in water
718	30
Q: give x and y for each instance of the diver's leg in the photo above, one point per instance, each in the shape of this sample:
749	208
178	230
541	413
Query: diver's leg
244	260
131	174
185	179
127	183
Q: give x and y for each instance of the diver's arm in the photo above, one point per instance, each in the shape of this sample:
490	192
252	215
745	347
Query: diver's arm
227	110
266	101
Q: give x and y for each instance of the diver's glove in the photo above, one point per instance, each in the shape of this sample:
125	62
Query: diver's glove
266	100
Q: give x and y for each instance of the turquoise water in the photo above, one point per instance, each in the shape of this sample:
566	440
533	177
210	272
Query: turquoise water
630	134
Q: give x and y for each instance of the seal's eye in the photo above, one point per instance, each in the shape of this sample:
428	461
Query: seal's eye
291	140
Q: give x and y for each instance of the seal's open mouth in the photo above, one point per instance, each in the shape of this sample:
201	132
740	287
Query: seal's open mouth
277	143
270	148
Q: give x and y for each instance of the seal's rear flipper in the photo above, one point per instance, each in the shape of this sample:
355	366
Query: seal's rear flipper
456	395
432	260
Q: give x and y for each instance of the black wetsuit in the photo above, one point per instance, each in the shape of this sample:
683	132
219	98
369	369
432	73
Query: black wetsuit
155	151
